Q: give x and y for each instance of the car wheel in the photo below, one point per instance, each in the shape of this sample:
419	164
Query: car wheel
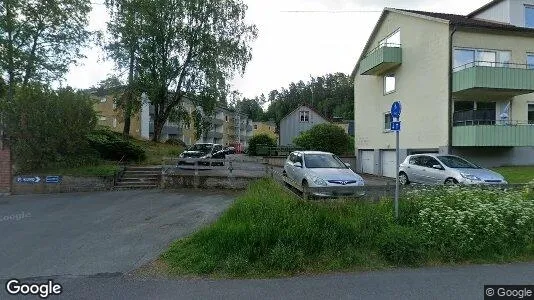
450	181
403	179
284	173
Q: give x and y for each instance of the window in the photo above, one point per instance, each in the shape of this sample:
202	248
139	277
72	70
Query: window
103	100
102	118
463	57
504	59
226	118
387	121
114	122
255	126
304	116
467	58
531	113
529	16
486	58
172	136
530	61
389	84
393	40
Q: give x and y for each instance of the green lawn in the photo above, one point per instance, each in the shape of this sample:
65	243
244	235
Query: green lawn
155	152
104	169
523	174
268	232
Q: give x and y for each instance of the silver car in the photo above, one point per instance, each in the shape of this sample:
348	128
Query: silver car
314	169
445	169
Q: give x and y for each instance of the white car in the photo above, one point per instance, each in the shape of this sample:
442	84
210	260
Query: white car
324	170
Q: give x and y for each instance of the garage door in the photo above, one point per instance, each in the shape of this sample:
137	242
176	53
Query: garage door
388	163
368	161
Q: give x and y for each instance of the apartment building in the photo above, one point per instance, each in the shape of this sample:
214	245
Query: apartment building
268	128
466	84
111	116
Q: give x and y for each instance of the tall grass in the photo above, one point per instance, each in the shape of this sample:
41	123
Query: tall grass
269	232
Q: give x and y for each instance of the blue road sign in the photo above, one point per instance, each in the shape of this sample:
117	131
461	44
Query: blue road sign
396	109
395	126
28	179
52	179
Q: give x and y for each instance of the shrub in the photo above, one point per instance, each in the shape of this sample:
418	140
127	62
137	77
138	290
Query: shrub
324	137
260	139
402	246
176	142
112	146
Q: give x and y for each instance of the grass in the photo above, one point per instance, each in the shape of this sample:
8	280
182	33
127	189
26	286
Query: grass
522	174
155	152
101	170
268	232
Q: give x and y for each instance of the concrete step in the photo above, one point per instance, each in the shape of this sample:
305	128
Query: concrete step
134	187
153	169
138	179
140	173
135	182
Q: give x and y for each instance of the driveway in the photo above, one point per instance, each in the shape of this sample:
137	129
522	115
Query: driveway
97	233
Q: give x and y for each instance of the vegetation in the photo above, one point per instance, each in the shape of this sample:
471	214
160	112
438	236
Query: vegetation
269	232
522	174
324	137
156	152
259	139
111	146
104	169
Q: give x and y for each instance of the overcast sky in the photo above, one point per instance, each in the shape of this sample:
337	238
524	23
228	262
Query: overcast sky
290	46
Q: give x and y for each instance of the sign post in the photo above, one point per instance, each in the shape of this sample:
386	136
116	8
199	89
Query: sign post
396	126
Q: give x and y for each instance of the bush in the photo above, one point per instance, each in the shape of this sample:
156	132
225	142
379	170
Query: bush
324	137
112	146
176	142
260	139
402	246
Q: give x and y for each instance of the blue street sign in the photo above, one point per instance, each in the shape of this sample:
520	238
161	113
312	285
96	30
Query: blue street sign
30	179
396	109
395	126
52	179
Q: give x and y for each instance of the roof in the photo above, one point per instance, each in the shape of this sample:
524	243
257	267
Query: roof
485	7
466	21
310	108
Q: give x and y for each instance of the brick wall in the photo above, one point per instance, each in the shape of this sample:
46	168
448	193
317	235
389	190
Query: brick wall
5	171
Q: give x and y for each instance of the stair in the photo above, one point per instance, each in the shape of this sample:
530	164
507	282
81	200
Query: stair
139	178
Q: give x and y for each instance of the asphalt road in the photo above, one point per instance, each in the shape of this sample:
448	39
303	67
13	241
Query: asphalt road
97	233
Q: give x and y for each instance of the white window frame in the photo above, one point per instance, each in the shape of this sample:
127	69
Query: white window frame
529	66
304	116
394	83
528	106
497	63
387	128
527	7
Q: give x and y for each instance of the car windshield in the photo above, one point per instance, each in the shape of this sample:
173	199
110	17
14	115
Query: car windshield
457	163
201	147
315	161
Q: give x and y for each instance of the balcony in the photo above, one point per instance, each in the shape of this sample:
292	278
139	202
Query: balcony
214	134
490	79
215	121
381	59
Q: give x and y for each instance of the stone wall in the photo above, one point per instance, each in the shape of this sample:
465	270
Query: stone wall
67	184
175	181
5	170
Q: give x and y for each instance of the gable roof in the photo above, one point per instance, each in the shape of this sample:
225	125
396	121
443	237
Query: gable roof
310	108
483	8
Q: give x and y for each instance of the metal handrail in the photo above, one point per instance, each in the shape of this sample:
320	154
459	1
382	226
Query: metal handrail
492	64
479	122
389	45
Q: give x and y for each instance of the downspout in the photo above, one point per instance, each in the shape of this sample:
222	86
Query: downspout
450	111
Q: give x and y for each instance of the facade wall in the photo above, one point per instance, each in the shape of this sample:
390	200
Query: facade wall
291	126
265	128
113	118
421	86
499	12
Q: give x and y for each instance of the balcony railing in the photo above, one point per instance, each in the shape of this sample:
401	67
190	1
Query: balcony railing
381	59
494	133
493	78
470	117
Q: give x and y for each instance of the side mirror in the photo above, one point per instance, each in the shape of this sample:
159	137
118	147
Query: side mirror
347	165
297	165
437	167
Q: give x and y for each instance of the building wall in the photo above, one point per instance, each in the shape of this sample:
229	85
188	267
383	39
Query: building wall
265	128
291	127
518	45
114	118
499	12
421	86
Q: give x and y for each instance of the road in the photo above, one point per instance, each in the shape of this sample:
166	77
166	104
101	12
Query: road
92	233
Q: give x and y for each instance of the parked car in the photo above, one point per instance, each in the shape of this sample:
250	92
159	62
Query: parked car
202	151
445	169
229	150
314	169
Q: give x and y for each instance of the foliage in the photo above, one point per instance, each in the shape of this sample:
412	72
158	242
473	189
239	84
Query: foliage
517	174
185	48
269	232
104	169
259	139
49	127
111	146
40	39
332	95
324	137
176	142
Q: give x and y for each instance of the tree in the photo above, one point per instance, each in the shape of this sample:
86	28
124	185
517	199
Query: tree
251	108
122	48
190	49
259	139
324	137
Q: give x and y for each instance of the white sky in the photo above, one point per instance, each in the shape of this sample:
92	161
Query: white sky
290	46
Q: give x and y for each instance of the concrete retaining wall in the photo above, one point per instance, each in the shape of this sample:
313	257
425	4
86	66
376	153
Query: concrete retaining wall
67	184
177	181
279	161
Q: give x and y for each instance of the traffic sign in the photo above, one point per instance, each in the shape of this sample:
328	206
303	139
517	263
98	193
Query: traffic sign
30	179
395	126
52	179
396	109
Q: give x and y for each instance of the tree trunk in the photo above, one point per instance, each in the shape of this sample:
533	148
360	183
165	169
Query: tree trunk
129	97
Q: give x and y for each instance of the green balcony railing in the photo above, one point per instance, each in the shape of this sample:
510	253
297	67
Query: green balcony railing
381	59
502	134
481	77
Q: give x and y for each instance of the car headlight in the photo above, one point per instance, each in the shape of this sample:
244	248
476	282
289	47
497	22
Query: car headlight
206	156
470	177
319	181
181	155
